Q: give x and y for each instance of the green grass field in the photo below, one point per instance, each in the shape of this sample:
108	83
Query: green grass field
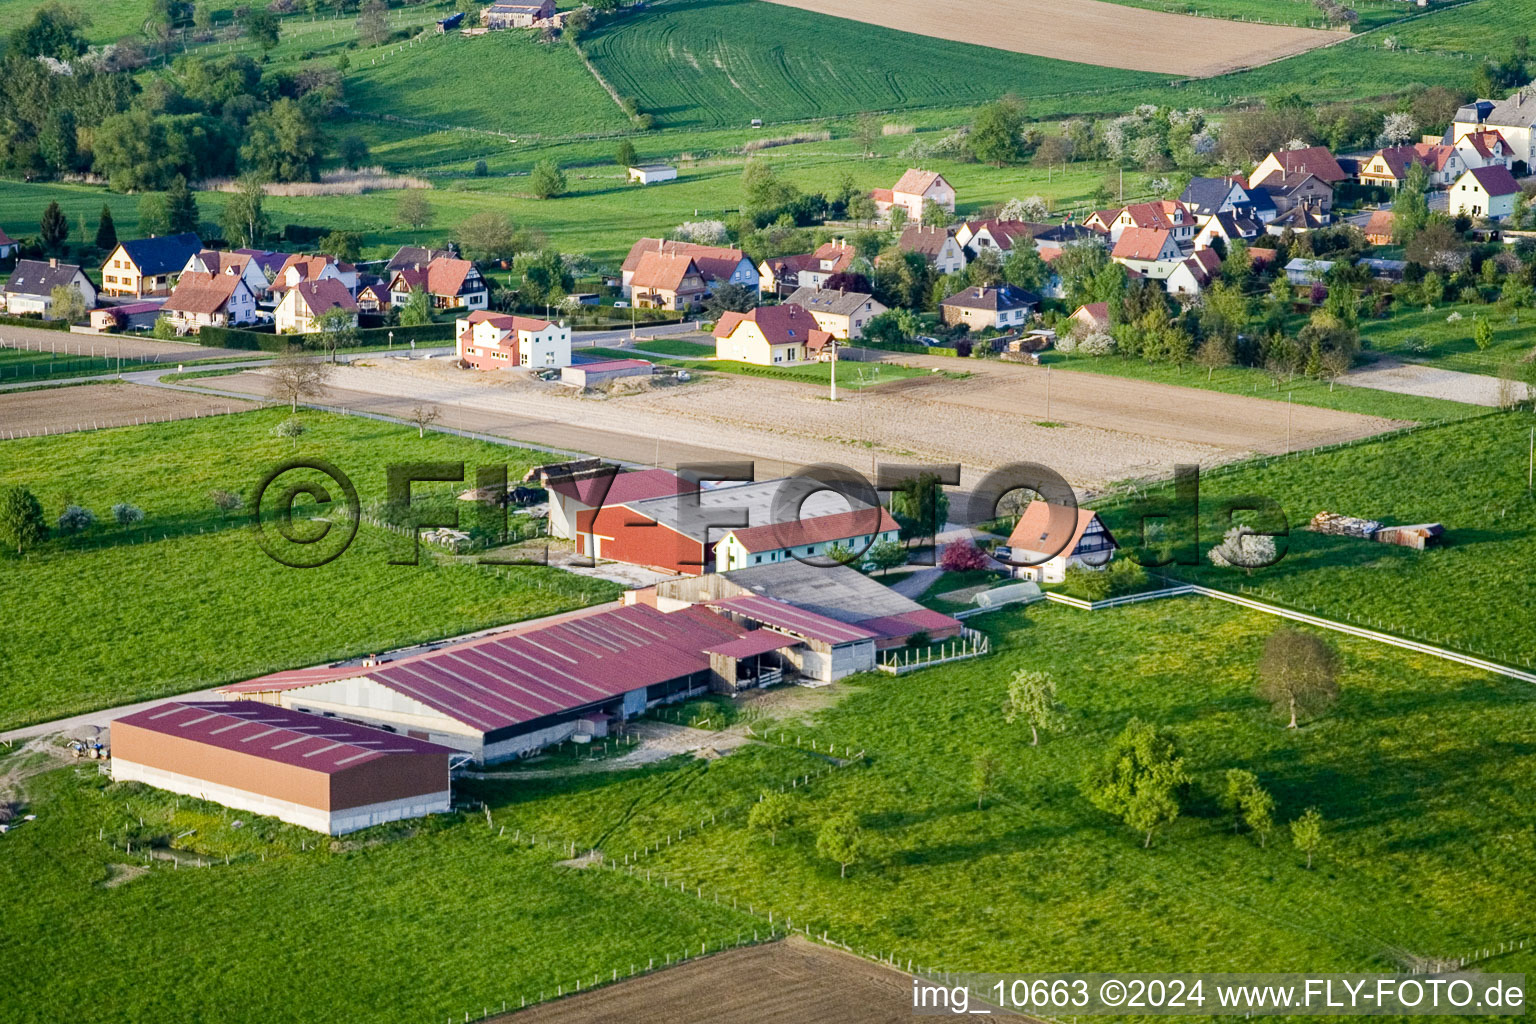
677	347
1430	840
1242	380
1472	594
849	375
1373	13
187	599
1427	336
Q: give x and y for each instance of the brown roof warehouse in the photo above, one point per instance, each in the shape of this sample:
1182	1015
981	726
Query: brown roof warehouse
320	773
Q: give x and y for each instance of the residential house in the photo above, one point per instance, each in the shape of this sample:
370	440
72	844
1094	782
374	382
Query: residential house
303	303
1305	272
31	284
1514	118
665	280
1386	270
1489	192
500	341
1484	149
1388	167
127	316
840	313
213	261
1207	197
8	247
1002	308
1378	228
1229	227
800	539
1147	251
650	174
770	335
1298	190
415	256
1314	160
517	13
780	275
450	283
1050	539
717	264
1298	219
210	300
373	297
269	263
1092	317
300	267
1003	235
939	246
913	191
806	270
147	266
1195	274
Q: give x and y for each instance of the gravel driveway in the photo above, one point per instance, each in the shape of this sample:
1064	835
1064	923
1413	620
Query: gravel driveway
1427	382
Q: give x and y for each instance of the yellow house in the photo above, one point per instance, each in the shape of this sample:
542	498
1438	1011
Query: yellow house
811	538
770	335
148	266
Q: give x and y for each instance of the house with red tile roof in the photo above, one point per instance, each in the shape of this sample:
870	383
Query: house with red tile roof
1049	539
1484	149
1314	160
302	305
1488	192
1378	229
716	264
1092	317
215	261
939	246
666	280
913	191
449	282
501	341
1388	167
313	267
770	336
8	246
210	300
1195	274
781	274
804	538
1149	251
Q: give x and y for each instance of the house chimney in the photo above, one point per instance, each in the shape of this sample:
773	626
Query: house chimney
53	261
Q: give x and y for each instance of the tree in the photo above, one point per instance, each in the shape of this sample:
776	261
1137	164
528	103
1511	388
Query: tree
152	218
417	311
1482	334
68	304
1025	269
995	136
165	329
934	215
21	518
542	277
243	220
372	25
126	515
295	378
346	246
1032	700
730	298
263	28
962	556
866	131
106	231
1242	548
488	236
547	180
920	506
842	840
985	769
53	228
1298	672
337	328
353	152
76	519
1053	150
625	155
885	555
773	812
281	144
53	31
1238	783
413	209
762	190
1307	833
1410	207
180	207
1258	813
424	416
1140	778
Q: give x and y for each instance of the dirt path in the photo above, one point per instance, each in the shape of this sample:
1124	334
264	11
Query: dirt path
1093	429
1088	32
109	404
1427	382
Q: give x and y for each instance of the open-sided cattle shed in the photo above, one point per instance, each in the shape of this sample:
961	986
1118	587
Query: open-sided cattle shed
323	774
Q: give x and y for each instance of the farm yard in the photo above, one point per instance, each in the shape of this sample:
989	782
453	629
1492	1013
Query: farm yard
1091	32
186	599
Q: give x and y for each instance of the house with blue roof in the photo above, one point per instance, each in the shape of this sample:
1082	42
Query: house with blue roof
148	266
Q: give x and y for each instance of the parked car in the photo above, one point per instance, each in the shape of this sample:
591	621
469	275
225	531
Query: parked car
620	304
925	340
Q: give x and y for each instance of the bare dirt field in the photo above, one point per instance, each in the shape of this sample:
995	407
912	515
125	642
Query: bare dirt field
33	339
1088	32
1093	429
92	406
793	980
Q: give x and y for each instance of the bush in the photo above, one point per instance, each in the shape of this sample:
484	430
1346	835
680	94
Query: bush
919	639
481	169
1126	576
1089	584
962	556
126	514
75	519
225	501
291	427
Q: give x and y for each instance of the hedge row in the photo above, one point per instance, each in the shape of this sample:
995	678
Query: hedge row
42	325
908	346
266	341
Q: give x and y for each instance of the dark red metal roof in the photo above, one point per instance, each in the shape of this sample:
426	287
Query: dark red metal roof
277	734
625	487
907	623
790	619
758	641
511	678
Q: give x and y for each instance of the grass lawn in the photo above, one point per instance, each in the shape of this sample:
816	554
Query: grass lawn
1373	13
1431	839
1427	336
187	599
677	347
1259	383
1472	594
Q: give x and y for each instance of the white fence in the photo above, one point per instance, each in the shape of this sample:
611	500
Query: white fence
970	643
1115	602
